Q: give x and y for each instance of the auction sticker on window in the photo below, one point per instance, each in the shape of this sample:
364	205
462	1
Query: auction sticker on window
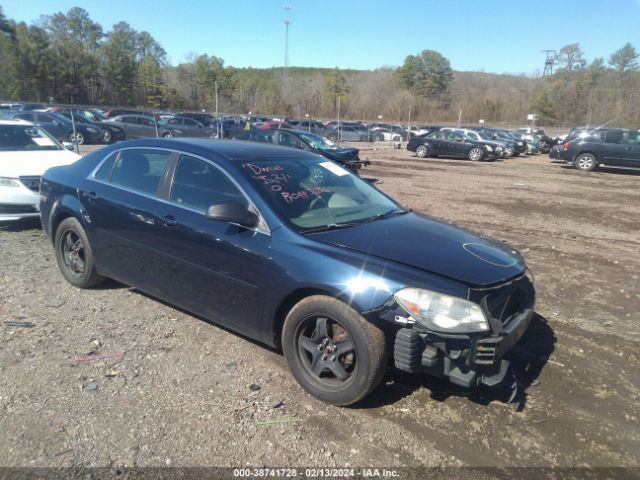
43	141
333	168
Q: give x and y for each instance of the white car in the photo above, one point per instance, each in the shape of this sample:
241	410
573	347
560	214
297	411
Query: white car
26	151
384	134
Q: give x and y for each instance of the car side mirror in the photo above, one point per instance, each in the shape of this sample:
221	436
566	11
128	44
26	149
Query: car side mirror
233	213
68	145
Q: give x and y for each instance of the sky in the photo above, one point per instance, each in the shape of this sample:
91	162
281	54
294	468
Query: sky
499	36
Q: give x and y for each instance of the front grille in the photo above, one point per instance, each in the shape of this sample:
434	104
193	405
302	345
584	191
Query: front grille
506	301
32	183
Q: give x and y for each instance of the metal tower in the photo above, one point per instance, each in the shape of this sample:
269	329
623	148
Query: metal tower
287	22
548	62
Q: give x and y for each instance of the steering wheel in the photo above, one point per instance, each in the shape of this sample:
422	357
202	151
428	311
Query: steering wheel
315	203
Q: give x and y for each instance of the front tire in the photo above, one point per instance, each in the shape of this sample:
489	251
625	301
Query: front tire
107	137
422	151
476	154
168	135
586	162
333	352
74	255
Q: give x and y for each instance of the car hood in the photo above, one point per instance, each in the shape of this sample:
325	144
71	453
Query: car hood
16	164
341	154
433	246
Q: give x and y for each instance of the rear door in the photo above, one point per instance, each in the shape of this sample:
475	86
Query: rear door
212	268
147	127
632	150
614	148
131	126
121	200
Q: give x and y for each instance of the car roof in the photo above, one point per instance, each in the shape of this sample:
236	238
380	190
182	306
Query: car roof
232	150
14	121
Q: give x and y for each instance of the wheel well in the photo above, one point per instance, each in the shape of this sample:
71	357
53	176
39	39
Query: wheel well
287	304
590	153
57	220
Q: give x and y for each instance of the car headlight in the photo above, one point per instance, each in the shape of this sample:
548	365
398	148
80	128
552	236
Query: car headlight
8	182
489	148
520	143
442	313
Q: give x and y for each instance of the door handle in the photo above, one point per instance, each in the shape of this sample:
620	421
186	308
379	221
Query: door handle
91	196
169	221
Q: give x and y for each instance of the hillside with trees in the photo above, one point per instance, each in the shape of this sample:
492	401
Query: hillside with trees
73	60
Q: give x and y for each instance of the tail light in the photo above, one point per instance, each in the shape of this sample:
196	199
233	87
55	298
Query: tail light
565	146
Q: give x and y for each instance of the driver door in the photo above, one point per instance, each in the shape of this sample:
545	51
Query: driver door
215	269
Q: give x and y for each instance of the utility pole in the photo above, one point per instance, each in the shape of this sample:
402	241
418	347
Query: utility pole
287	22
217	120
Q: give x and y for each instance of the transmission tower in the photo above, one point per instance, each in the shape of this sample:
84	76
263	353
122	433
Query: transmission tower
287	22
548	62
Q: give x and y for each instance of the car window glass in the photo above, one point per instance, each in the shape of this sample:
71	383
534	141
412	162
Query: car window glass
613	136
26	116
190	123
198	184
633	138
25	138
104	172
146	121
129	120
140	169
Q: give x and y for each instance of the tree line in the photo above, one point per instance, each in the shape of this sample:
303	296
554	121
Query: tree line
71	59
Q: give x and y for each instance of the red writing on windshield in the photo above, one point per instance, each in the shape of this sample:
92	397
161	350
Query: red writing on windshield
291	197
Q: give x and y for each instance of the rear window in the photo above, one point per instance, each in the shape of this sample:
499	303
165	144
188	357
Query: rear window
140	169
613	136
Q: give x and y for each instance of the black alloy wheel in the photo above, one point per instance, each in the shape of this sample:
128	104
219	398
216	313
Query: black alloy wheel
333	352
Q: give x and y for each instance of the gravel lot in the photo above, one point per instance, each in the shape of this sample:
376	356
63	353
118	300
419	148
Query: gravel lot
175	390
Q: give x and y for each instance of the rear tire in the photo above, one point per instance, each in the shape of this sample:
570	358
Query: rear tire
333	352
74	255
78	138
333	137
586	162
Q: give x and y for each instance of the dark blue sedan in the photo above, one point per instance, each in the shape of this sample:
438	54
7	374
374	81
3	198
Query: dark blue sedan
291	249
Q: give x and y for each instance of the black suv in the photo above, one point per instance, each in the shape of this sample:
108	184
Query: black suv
587	149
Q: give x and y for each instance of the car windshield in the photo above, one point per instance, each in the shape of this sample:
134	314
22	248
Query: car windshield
316	141
317	194
22	138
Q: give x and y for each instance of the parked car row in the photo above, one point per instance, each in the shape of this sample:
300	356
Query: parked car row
473	143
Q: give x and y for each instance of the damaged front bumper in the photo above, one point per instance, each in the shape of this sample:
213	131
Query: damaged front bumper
469	359
466	361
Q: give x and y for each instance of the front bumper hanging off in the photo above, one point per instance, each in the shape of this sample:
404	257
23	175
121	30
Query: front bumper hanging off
466	361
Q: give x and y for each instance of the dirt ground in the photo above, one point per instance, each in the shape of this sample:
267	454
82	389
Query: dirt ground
177	391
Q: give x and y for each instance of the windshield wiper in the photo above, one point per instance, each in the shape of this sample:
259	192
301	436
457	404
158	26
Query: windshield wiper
391	213
332	226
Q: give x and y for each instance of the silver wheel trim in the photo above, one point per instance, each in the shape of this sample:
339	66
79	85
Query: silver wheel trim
585	162
421	151
475	154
